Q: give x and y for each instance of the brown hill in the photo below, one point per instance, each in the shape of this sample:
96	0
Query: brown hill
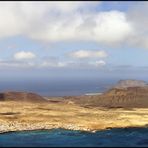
127	97
21	96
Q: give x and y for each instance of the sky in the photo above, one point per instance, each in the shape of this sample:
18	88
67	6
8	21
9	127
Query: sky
73	39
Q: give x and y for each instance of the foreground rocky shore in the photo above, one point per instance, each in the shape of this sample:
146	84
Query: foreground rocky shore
18	116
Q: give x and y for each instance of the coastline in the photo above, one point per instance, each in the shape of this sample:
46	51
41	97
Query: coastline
93	94
82	130
28	117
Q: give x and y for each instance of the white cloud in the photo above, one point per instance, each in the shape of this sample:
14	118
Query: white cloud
104	27
111	26
100	63
53	64
88	54
22	55
31	18
75	21
22	64
138	18
16	64
73	64
62	21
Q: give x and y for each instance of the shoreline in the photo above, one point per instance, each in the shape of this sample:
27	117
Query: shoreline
88	131
94	94
18	116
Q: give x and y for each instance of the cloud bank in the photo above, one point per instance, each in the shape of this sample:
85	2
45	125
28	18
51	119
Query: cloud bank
80	54
74	21
62	21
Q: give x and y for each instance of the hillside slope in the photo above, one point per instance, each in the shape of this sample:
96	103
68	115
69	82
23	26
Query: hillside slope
21	96
136	96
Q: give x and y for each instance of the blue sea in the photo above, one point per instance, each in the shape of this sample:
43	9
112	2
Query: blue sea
57	87
128	137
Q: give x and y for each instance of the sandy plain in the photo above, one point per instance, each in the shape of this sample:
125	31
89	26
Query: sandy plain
18	116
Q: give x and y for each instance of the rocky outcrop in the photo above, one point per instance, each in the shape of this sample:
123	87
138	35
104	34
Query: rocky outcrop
21	96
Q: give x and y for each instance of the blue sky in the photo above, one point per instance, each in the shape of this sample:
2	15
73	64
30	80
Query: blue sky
50	39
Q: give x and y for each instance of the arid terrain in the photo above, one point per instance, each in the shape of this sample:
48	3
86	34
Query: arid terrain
15	116
120	108
125	94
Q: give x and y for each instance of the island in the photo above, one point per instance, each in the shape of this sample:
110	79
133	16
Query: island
124	105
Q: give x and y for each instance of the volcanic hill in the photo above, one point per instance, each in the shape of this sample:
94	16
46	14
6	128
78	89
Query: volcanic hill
126	94
130	83
21	96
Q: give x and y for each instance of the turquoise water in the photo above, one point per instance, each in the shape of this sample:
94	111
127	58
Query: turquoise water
64	138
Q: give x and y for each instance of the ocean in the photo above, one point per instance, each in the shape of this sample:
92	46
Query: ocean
128	137
57	87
